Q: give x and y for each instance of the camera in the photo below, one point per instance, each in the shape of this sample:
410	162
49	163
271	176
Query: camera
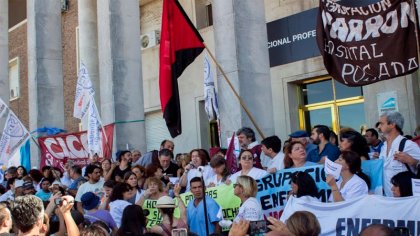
146	212
58	201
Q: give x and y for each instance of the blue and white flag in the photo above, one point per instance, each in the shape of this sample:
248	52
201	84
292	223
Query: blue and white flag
94	123
210	95
14	135
84	91
3	107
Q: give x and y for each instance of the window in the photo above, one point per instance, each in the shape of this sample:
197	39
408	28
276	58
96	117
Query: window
14	79
327	102
204	14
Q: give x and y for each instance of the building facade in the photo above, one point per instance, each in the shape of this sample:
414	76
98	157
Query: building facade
118	42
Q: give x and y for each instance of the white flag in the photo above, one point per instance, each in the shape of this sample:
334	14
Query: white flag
3	107
93	133
14	136
210	95
84	91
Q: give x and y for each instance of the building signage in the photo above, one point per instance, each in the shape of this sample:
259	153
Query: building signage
387	101
292	38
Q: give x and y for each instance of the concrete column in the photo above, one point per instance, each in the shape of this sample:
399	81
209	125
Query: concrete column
241	49
88	46
45	62
120	71
4	51
88	42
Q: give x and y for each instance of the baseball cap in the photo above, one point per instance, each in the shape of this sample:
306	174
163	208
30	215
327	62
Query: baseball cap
165	202
27	185
299	134
89	201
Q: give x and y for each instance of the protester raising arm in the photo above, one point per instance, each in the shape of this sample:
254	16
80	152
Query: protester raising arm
66	206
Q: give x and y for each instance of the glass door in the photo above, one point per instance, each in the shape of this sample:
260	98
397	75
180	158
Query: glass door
329	103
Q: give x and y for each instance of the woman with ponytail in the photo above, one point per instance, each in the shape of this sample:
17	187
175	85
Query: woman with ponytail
352	183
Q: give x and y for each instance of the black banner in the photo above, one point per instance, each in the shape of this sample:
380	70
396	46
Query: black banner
364	45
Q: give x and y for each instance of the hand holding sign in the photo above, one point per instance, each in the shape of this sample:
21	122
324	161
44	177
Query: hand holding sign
332	168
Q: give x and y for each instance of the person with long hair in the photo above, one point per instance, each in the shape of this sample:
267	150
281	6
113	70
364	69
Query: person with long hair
295	156
182	160
106	168
218	163
119	201
154	190
140	172
131	179
303	185
246	189
21	172
353	182
401	184
353	141
166	206
120	167
133	222
246	159
198	159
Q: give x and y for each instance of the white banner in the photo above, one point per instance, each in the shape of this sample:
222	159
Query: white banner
210	95
3	107
350	217
94	135
84	91
14	135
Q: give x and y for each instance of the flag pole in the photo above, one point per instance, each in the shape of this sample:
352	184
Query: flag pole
241	102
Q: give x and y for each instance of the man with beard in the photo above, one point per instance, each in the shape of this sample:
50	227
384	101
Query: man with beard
320	135
247	140
122	166
95	185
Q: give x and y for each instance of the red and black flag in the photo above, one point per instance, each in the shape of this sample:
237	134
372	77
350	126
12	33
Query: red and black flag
180	44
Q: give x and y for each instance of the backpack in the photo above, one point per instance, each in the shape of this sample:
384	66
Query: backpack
401	149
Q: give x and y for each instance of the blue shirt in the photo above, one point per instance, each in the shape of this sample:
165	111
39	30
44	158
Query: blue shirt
330	150
309	147
376	148
196	219
75	183
43	195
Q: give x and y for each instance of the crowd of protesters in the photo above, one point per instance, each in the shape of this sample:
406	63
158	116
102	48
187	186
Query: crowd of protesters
107	197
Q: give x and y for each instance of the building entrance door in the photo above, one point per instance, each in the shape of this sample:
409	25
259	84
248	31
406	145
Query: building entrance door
330	103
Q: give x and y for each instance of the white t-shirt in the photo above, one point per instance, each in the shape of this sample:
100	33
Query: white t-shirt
207	174
265	160
214	180
116	209
354	188
250	210
277	162
96	188
393	167
255	173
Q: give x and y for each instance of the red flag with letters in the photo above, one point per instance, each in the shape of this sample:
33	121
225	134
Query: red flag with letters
180	44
